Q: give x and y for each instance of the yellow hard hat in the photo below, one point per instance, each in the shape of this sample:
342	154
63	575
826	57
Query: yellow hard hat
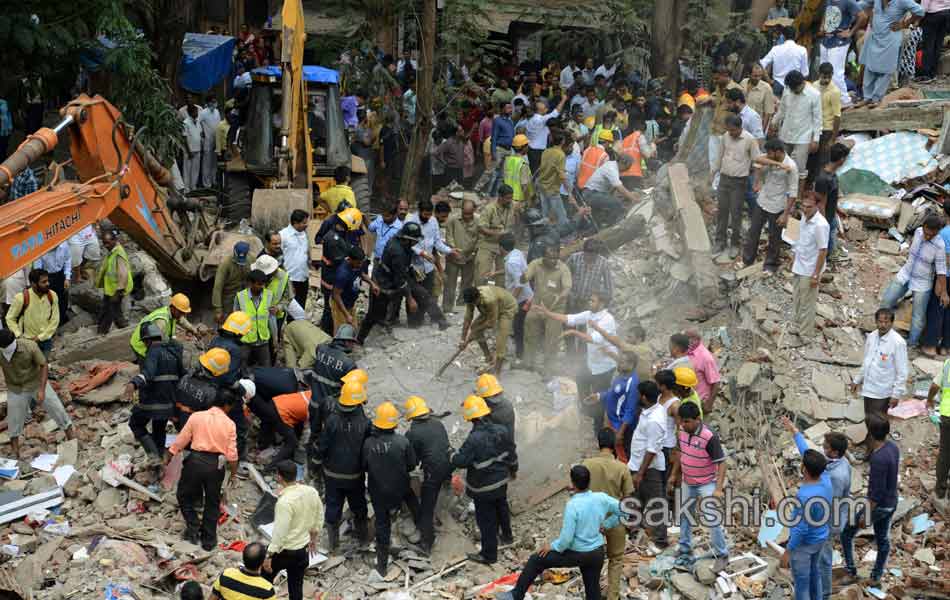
182	303
238	323
605	135
415	407
216	360
474	407
360	376
520	141
487	385
387	417
352	394
685	376
590	122
352	217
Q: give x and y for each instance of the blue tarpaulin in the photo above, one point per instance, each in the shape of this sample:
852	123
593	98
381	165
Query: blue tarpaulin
205	60
311	74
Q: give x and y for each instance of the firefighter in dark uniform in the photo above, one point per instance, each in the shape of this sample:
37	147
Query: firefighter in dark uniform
335	249
388	459
237	325
280	399
331	364
502	412
210	437
198	389
431	444
491	462
156	383
339	449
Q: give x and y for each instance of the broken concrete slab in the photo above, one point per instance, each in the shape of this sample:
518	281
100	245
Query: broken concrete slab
817	432
68	452
748	373
694	226
855	432
687	585
926	556
109	499
888	246
929	366
828	386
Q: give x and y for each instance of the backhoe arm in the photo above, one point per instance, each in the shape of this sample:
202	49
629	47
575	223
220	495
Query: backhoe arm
121	182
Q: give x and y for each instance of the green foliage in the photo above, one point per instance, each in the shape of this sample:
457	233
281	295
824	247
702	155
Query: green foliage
138	90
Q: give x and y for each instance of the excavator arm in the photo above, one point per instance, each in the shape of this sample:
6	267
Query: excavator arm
120	179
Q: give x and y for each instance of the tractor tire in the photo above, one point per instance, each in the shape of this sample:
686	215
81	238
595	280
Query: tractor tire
360	185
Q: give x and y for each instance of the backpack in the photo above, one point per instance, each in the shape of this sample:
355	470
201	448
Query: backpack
26	303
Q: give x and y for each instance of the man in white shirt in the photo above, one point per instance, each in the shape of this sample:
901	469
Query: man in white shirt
192	160
537	131
606	71
515	267
811	249
587	73
603	188
785	58
601	365
209	118
84	247
647	463
776	187
732	165
424	260
798	123
567	75
751	120
295	245
883	376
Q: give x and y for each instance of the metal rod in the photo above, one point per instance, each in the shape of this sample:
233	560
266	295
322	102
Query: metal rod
66	122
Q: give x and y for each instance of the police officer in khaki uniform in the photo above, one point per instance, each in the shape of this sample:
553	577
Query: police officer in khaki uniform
496	310
495	220
551	281
461	233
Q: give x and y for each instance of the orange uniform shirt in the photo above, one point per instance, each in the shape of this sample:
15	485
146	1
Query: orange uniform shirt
294	408
208	431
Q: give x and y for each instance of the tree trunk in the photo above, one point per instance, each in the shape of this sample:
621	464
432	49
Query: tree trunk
759	11
172	20
420	136
669	17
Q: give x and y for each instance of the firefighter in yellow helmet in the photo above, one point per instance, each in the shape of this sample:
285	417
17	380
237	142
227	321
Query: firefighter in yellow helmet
491	462
235	326
430	442
198	389
339	449
358	375
168	318
387	459
502	412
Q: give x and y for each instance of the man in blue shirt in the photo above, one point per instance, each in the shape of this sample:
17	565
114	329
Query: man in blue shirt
837	476
808	535
346	287
836	33
385	226
882	495
621	402
502	134
581	544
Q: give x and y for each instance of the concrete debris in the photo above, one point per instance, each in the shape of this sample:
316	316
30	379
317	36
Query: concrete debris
828	386
887	246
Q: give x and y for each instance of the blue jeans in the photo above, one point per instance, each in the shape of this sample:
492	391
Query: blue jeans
881	523
825	558
938	324
686	535
805	572
832	234
893	294
553	203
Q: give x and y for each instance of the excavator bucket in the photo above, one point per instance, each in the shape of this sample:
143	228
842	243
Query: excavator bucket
221	246
271	208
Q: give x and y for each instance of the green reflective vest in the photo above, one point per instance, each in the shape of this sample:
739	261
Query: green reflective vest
945	390
260	315
277	286
106	278
513	165
163	313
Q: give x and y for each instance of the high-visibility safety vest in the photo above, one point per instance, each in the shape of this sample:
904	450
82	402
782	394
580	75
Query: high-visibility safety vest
277	286
106	278
163	313
592	158
513	165
945	390
260	316
631	146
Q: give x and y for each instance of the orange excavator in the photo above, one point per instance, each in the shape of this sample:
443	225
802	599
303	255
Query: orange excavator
119	180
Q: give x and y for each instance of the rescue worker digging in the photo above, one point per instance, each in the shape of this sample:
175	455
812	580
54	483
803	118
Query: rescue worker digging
430	442
491	462
281	402
388	458
496	310
340	449
156	383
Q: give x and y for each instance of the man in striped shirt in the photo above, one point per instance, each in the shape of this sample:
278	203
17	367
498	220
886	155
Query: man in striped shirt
702	464
245	583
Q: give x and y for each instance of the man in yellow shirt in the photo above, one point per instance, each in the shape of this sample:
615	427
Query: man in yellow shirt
34	313
246	582
830	119
341	192
298	517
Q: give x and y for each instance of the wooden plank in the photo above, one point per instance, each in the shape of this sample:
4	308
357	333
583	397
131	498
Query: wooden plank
694	226
894	118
